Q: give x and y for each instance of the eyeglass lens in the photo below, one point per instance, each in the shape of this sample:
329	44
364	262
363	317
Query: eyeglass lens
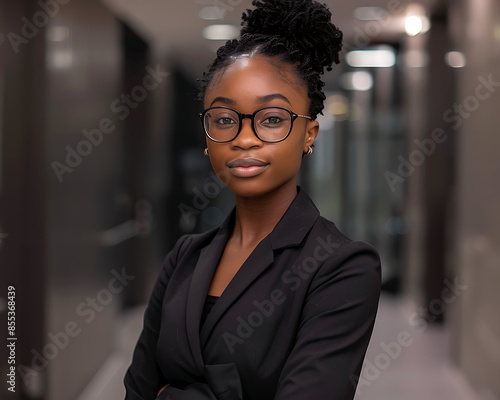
271	124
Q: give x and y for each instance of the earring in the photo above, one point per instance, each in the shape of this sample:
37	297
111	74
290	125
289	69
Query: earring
205	151
310	151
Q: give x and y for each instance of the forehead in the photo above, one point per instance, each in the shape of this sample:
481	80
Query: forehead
248	78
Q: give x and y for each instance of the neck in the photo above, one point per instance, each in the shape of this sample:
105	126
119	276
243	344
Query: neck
256	217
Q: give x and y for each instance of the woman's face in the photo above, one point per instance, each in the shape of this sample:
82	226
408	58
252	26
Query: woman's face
246	86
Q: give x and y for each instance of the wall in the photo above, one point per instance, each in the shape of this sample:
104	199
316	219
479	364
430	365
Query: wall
476	325
83	77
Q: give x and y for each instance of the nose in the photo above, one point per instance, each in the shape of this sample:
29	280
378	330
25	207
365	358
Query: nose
246	139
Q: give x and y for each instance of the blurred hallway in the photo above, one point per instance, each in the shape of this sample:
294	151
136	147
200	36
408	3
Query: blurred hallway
102	170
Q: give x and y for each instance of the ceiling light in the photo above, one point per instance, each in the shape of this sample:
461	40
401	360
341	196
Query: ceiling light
60	58
455	59
221	32
413	25
359	80
416	22
371	58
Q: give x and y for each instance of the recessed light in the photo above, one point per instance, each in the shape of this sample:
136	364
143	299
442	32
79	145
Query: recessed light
221	32
413	25
371	58
416	22
359	81
455	59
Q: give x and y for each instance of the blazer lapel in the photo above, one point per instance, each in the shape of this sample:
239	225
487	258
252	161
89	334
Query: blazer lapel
198	289
261	258
290	231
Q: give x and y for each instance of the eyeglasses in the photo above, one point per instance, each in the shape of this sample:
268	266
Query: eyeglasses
270	124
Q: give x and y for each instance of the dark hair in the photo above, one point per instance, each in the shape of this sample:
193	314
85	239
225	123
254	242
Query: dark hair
298	32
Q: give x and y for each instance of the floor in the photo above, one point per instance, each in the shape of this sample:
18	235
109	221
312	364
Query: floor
403	362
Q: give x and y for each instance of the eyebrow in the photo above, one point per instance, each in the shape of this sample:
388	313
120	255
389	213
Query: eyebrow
225	100
261	99
269	97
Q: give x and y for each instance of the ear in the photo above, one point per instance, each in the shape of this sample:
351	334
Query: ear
312	129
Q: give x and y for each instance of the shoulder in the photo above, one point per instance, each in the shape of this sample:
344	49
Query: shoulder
326	230
346	258
324	237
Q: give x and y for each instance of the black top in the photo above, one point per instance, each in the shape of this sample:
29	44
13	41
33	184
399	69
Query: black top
209	303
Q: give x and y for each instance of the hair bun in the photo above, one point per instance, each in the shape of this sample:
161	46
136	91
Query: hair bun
305	24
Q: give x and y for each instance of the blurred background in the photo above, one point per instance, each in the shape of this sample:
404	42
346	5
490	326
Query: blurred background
102	169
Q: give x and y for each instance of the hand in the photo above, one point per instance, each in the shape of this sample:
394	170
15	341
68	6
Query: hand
161	390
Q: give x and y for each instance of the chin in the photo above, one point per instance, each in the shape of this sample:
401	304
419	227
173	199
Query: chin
249	189
254	187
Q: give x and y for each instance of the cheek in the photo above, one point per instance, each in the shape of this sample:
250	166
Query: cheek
295	144
289	158
219	155
216	159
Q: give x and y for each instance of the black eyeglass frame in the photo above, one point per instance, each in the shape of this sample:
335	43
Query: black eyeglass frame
242	116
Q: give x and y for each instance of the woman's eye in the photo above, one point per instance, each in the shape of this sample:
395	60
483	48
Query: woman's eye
272	121
225	121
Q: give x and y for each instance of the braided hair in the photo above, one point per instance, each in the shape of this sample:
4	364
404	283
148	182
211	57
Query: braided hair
298	32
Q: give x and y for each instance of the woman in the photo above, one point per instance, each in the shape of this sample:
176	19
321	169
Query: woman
275	303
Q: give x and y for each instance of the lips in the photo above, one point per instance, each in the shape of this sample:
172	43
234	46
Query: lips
246	162
247	167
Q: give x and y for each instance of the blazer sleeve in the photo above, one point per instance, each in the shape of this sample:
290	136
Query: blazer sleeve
335	328
144	378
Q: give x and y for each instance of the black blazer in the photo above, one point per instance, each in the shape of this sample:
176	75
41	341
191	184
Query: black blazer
294	322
